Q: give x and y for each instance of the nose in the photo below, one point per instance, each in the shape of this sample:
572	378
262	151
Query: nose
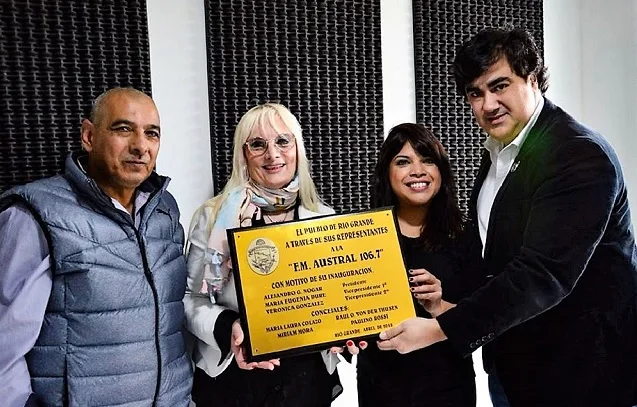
271	150
490	103
418	170
139	144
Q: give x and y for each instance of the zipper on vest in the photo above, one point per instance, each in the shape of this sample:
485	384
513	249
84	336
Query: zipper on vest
151	281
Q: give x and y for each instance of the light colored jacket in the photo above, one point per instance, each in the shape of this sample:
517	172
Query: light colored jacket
202	314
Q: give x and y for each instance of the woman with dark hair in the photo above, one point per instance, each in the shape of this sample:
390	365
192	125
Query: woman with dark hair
414	175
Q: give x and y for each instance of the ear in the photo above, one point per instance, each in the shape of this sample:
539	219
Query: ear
88	130
533	80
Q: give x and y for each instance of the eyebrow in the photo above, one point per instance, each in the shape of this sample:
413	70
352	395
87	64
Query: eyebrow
122	121
496	81
490	84
289	135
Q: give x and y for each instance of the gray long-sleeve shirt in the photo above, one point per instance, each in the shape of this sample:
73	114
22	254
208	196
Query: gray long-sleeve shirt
25	287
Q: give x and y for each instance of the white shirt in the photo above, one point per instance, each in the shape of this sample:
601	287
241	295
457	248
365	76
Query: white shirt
502	159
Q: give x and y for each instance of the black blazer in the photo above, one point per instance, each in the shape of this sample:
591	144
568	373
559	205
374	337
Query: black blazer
558	317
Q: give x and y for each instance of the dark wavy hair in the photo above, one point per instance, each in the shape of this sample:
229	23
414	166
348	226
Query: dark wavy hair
444	220
477	55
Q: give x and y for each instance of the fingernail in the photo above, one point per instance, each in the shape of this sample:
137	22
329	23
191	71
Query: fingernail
411	271
350	343
411	279
412	288
362	344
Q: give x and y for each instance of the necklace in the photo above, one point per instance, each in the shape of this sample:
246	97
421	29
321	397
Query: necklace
275	219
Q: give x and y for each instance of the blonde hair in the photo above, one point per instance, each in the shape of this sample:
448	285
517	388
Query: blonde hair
253	120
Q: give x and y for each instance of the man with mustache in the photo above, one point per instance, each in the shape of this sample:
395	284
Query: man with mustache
93	276
558	315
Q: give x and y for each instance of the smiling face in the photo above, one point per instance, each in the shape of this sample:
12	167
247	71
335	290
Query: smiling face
503	102
122	142
274	169
414	179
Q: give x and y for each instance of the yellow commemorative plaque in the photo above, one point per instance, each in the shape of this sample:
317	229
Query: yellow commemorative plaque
307	285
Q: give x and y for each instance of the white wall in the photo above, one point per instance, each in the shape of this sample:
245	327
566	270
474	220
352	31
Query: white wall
179	82
609	76
563	54
591	52
397	43
590	48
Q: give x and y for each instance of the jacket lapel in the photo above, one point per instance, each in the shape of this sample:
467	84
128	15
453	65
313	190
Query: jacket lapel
536	133
485	164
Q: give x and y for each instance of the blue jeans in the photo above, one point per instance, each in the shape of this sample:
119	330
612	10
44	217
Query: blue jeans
496	392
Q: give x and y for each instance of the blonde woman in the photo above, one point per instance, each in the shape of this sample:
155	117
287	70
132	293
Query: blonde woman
270	183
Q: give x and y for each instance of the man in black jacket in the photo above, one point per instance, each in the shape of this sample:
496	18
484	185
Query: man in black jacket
558	315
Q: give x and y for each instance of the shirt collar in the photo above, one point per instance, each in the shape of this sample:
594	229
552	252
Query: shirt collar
494	146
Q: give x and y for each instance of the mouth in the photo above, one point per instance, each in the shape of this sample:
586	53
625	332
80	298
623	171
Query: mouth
496	119
273	167
136	165
135	162
418	186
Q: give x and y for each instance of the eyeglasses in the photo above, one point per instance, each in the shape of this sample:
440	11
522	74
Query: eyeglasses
259	145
